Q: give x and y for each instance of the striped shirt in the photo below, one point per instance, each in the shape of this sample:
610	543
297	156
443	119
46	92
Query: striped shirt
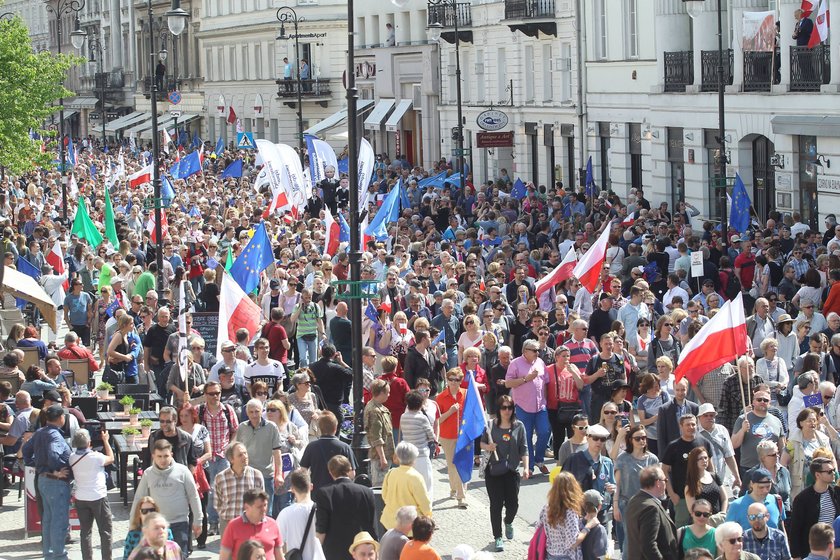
417	429
230	491
581	352
307	322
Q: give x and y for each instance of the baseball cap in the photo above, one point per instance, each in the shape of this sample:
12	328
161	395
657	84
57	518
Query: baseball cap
761	475
593	497
274	284
605	295
52	395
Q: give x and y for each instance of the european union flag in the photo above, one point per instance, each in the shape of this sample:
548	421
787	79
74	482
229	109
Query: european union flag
183	138
71	152
344	165
253	260
740	217
441	337
343	230
519	191
404	201
234	170
195	212
453	181
28	268
436	181
167	191
189	165
371	313
220	147
590	179
112	308
471	424
387	213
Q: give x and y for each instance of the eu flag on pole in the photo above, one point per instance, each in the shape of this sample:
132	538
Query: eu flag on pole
28	268
220	147
387	213
71	152
189	165
371	313
256	257
344	165
343	230
167	191
590	179
196	140
470	425
740	217
234	170
404	201
519	191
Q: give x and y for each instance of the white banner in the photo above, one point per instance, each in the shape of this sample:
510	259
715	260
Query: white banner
367	159
321	156
293	180
272	171
759	31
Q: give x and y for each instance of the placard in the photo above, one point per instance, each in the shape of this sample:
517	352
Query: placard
207	323
696	265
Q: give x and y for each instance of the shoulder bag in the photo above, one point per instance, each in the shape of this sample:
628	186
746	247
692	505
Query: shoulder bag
297	553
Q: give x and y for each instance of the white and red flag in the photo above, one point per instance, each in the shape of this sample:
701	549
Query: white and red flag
562	271
722	339
55	258
807	7
331	240
819	34
141	177
236	311
629	220
164	226
588	268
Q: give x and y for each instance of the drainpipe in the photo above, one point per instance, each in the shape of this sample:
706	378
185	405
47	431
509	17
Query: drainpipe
580	22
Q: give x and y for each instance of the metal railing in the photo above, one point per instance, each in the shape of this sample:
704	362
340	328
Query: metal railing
679	70
709	69
526	9
809	68
114	79
308	88
758	70
445	14
164	86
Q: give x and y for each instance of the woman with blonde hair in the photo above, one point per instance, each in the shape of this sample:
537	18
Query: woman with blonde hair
100	318
664	343
561	519
398	337
471	336
451	403
146	506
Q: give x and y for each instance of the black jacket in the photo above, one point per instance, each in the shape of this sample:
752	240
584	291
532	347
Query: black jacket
331	378
667	423
651	535
804	513
417	366
344	509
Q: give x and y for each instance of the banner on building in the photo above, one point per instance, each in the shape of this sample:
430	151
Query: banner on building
759	31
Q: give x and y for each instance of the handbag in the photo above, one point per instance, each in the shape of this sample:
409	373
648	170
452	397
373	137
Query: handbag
566	412
536	548
200	477
297	553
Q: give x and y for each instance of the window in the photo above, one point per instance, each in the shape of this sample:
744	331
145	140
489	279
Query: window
232	61
529	74
246	70
453	79
548	75
466	90
566	72
604	138
479	76
632	30
600	29
258	61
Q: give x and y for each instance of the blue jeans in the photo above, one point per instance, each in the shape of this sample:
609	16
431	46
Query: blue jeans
282	500
307	351
269	489
452	357
55	521
214	467
535	421
181	535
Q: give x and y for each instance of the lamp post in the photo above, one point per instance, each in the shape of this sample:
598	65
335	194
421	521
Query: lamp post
693	7
77	39
7	15
286	14
434	31
176	20
95	45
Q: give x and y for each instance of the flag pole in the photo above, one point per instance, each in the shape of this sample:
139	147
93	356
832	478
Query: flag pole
741	385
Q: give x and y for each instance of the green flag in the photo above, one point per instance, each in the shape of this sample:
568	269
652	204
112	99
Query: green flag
83	226
229	260
110	227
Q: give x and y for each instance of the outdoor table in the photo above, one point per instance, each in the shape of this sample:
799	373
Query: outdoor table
115	427
123	417
122	452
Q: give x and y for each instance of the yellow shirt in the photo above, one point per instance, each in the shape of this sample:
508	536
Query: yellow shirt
403	486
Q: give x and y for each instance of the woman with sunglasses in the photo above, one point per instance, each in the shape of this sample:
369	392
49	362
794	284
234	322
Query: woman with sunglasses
628	466
699	534
451	402
146	506
471	337
729	538
505	442
701	484
800	447
664	343
647	407
768	458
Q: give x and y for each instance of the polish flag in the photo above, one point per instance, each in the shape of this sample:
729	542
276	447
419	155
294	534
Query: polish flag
141	177
167	138
386	304
588	268
629	220
55	258
807	7
722	339
561	272
236	311
365	237
332	234
164	226
819	33
231	115
280	202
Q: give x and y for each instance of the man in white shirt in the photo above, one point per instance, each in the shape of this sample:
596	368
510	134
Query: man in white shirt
674	289
298	519
91	491
230	360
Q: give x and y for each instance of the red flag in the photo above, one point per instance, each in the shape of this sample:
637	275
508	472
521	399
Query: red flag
236	311
561	272
386	304
280	202
721	340
141	177
588	268
231	115
819	33
164	226
56	260
629	220
807	7
332	234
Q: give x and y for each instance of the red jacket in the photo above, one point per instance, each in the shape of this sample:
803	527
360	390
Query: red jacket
76	352
832	302
480	377
396	398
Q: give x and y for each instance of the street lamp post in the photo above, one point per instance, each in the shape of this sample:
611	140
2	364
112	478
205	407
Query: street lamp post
434	31
77	38
286	14
95	45
693	8
176	20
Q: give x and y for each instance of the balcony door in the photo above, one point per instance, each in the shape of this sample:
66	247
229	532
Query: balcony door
764	177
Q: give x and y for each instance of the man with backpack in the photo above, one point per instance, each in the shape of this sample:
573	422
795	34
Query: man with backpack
220	420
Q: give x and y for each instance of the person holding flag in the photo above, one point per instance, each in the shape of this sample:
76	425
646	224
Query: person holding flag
451	404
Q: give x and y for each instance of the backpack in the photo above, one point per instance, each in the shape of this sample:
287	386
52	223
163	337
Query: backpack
733	285
777	273
202	408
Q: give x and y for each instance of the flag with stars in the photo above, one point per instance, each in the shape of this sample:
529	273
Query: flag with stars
255	258
740	217
344	231
371	313
471	424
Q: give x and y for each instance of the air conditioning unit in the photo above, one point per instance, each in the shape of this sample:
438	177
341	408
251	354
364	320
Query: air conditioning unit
562	64
479	69
416	97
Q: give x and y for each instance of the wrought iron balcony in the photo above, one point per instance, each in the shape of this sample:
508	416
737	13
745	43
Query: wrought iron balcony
318	91
445	15
679	70
528	9
164	87
709	69
110	80
758	70
809	68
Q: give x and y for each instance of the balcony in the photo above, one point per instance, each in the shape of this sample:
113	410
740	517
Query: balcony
448	15
809	68
679	71
709	69
169	84
109	80
531	17
758	71
317	91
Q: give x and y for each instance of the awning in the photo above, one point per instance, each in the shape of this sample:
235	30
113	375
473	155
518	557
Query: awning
393	122
27	288
127	120
374	121
81	102
806	125
67	113
337	118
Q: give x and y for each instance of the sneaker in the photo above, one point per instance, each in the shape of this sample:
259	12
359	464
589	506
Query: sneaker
212	529
508	531
500	545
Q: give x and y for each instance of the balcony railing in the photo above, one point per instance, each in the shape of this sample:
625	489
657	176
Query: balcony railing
679	70
445	15
758	70
709	69
809	68
528	9
168	84
288	89
112	80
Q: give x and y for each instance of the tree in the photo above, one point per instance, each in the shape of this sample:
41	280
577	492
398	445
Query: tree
30	85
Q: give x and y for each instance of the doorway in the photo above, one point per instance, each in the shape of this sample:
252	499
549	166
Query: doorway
764	177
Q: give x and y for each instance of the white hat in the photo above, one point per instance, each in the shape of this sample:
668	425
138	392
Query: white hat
597	430
705	408
462	552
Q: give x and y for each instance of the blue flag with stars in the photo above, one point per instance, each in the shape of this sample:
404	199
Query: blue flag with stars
196	141
220	147
343	230
234	170
470	426
256	257
371	313
167	192
740	217
519	191
590	179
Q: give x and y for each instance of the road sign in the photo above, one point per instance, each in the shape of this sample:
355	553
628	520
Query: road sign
175	114
466	152
245	140
174	97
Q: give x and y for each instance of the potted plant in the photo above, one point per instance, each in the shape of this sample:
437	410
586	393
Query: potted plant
133	415
127	402
130	433
145	427
103	389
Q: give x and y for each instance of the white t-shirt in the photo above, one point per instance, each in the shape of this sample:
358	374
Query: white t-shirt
292	521
272	369
89	474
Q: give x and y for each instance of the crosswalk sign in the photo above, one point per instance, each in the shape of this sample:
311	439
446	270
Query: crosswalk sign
245	140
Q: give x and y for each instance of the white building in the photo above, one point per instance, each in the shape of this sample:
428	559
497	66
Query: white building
652	105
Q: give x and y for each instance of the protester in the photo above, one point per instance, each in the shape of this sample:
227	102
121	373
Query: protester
156	540
91	493
252	524
296	522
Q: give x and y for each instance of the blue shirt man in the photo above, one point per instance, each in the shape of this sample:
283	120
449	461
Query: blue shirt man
596	474
761	481
768	543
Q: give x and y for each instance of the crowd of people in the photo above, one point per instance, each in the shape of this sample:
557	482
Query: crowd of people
578	384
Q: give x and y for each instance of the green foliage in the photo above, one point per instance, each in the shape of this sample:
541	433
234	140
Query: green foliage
30	86
127	400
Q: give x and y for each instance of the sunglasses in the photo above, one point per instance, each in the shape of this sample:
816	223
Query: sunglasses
273	410
581	428
227	349
454	379
668	324
762	400
610	412
639	438
212	394
598	438
506	407
754	516
705	514
305	383
146	511
735	540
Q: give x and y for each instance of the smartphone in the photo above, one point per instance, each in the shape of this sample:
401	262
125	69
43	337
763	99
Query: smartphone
625	421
